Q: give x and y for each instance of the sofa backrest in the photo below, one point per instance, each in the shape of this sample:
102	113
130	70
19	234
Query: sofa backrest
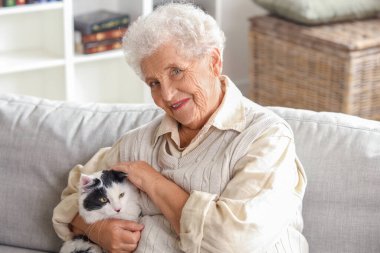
341	156
41	140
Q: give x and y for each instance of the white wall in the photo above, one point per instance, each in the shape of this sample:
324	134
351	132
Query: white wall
237	54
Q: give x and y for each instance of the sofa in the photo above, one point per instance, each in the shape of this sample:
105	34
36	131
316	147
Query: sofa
41	140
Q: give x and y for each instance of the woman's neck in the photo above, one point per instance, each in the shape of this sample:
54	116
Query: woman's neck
186	135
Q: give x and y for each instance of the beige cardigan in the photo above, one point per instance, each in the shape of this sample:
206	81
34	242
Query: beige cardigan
245	182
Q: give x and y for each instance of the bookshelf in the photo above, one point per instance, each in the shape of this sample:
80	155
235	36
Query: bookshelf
37	53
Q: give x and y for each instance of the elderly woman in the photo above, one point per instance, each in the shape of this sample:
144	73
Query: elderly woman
217	172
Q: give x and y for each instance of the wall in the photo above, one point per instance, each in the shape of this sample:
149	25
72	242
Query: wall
235	24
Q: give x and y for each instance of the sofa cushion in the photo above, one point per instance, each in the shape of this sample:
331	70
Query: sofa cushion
341	156
40	141
313	12
10	249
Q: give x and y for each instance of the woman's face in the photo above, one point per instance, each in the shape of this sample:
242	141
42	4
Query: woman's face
188	90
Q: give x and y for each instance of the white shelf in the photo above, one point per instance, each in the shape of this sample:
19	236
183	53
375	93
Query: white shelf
47	83
30	8
114	54
37	53
27	60
108	80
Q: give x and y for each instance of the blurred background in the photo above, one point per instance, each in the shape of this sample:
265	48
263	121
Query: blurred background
41	54
320	55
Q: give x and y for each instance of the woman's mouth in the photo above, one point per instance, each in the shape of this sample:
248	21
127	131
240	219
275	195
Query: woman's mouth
179	104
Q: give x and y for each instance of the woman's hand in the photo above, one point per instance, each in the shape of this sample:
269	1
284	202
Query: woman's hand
140	173
165	194
113	235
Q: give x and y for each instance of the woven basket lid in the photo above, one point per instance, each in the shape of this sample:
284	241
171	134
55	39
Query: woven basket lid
351	36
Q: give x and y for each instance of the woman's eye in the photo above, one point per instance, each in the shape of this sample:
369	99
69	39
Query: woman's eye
153	84
121	195
176	71
103	200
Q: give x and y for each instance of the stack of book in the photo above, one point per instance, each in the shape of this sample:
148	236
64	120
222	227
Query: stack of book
99	31
8	3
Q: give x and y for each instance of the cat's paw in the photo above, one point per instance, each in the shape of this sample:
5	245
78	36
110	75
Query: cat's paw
80	244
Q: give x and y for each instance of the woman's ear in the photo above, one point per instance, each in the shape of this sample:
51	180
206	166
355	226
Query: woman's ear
216	62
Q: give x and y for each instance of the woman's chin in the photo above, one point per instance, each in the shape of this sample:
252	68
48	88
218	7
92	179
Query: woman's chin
183	117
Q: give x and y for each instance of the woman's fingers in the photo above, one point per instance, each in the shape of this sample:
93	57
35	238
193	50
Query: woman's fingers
123	167
139	173
131	225
132	238
116	235
131	242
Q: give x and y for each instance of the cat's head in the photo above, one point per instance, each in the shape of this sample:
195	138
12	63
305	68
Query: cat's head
107	194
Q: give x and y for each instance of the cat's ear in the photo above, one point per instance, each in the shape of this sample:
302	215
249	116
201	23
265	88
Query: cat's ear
86	182
119	175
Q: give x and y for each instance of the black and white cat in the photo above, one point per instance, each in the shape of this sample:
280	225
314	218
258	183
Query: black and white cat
104	194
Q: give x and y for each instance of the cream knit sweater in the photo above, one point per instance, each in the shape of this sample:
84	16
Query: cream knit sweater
245	180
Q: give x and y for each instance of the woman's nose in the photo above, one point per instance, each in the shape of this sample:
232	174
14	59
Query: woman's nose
167	92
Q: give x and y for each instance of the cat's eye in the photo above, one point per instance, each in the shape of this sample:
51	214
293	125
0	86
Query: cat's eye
103	200
121	195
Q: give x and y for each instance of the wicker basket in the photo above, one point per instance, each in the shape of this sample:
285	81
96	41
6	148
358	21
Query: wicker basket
332	67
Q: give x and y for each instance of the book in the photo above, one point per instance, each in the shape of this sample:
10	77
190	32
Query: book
100	43
42	1
99	21
20	2
102	47
8	3
78	46
1	3
106	35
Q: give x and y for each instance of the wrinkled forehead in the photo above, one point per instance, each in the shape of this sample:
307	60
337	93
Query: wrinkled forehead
163	58
163	54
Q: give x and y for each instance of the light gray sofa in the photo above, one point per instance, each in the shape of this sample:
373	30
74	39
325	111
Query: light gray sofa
41	140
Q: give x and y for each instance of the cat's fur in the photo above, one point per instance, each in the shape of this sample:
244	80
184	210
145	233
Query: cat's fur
105	194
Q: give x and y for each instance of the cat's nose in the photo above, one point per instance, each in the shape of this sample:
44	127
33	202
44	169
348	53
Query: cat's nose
117	209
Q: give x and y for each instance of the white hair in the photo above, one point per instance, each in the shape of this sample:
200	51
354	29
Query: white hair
195	33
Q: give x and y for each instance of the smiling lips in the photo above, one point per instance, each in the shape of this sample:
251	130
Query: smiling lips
179	104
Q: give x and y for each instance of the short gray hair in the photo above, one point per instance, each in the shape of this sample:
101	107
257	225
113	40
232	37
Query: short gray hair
195	32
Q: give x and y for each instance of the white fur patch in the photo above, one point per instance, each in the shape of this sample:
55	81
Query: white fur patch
123	203
128	204
80	245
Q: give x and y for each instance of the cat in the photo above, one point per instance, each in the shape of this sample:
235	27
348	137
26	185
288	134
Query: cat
104	194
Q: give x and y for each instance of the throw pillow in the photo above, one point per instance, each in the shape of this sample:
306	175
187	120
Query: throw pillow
313	12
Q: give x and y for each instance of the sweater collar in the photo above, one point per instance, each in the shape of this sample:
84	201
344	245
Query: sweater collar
230	115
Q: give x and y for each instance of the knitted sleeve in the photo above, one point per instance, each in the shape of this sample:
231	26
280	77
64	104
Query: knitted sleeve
257	205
